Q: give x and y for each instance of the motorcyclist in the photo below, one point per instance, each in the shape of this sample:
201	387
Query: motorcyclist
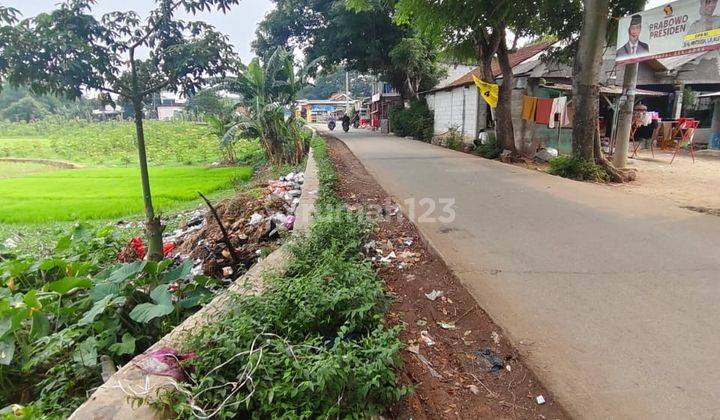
331	122
346	123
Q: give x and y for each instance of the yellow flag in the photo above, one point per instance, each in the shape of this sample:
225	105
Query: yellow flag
488	91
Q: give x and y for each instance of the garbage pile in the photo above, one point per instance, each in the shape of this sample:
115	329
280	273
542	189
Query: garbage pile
254	225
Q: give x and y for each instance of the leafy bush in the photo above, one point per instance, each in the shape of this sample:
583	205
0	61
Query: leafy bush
416	121
313	345
491	149
59	314
576	168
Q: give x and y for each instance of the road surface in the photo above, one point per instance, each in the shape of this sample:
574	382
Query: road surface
613	298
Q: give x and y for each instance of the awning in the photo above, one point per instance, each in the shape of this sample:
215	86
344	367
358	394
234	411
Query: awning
607	90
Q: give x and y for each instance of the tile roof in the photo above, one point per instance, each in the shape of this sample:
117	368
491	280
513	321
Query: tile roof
519	56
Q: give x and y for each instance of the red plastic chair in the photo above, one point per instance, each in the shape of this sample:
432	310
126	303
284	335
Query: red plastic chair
687	129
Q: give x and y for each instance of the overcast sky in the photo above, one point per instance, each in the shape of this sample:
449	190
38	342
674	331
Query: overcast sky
239	24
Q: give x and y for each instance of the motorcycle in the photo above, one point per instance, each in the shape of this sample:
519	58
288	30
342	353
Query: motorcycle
331	125
346	126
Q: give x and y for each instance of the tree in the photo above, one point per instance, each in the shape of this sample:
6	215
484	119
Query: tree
208	102
68	51
414	65
586	78
26	109
325	84
474	30
267	89
360	38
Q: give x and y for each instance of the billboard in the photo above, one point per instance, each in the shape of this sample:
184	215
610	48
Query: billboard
681	27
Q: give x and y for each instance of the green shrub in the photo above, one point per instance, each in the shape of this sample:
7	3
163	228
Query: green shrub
576	168
454	139
491	149
61	313
416	121
314	344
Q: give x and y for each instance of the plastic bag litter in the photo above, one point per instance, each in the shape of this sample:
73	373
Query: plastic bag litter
434	294
164	361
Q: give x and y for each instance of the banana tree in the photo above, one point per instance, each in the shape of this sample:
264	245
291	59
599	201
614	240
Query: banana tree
268	89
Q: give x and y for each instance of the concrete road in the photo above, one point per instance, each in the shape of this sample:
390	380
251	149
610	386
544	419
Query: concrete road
613	298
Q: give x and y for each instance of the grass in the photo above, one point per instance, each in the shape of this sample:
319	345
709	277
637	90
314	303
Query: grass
103	193
20	169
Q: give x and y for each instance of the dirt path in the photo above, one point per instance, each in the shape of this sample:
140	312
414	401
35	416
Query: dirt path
452	378
56	163
685	183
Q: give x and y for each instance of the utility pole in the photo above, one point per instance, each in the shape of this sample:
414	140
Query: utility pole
626	116
347	93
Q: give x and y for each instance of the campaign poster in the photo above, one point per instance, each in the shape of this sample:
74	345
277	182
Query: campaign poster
681	27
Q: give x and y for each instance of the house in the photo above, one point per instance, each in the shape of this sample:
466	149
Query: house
170	106
457	105
318	110
661	85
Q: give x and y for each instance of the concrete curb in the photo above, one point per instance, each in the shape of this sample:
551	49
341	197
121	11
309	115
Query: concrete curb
113	399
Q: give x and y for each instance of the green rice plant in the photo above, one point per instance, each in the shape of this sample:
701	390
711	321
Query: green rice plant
102	193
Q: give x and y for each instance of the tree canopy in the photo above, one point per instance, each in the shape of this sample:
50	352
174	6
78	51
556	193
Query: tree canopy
69	51
360	39
328	83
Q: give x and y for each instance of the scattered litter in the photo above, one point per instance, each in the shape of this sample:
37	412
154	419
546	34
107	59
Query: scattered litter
434	294
495	337
413	348
408	241
540	399
10	243
508	368
474	389
391	256
253	225
446	325
227	271
163	362
421	323
489	358
426	338
427	363
255	219
544	155
406	255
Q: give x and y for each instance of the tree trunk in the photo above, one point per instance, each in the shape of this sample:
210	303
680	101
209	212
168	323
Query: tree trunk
153	225
503	113
585	77
624	124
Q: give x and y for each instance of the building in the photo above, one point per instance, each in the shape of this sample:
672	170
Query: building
318	110
661	86
457	105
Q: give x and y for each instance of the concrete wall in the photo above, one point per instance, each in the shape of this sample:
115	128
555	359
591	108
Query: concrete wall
456	108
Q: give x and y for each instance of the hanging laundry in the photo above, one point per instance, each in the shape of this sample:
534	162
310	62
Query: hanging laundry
528	108
542	112
488	91
558	108
567	122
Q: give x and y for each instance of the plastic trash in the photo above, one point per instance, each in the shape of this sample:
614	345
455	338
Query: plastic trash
434	294
164	361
